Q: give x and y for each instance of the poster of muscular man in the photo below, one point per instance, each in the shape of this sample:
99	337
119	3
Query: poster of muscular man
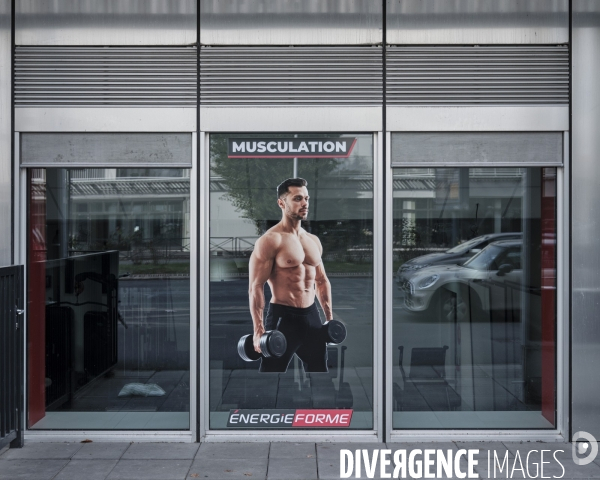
288	258
291	276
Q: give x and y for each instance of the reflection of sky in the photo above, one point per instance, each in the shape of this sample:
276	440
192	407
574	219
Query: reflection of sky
360	161
355	165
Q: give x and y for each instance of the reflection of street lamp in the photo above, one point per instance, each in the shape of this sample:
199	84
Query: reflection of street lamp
295	172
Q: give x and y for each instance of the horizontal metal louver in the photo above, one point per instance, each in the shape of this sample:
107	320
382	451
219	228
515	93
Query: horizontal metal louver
105	76
290	75
167	76
472	75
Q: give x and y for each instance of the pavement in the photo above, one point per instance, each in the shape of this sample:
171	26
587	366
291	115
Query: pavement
289	461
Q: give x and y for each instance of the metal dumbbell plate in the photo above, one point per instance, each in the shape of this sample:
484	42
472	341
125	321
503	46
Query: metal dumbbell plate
335	331
246	350
273	344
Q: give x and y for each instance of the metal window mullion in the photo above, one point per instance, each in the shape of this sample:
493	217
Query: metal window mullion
9	303
4	367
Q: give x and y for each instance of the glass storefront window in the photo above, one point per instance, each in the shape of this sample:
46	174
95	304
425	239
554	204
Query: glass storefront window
324	255
474	292
474	303
109	299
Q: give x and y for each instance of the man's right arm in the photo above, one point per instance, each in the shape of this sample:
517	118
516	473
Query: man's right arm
259	269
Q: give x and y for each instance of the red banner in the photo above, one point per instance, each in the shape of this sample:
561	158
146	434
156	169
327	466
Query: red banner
322	418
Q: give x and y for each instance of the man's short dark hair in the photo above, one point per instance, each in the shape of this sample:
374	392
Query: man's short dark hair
282	188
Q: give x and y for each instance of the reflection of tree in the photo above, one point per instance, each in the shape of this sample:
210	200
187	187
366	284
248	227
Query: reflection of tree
408	240
251	183
410	234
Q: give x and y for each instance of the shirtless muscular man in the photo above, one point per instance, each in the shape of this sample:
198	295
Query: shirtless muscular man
288	258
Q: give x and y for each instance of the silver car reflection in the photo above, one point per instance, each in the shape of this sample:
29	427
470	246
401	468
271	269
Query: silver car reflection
454	256
467	287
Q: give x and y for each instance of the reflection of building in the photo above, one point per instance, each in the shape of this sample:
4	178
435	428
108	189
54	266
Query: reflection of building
111	244
435	199
111	207
354	190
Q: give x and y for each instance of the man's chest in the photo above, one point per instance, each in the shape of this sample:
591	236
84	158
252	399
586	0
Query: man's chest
296	251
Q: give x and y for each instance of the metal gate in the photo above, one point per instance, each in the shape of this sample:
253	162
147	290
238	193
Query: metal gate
11	355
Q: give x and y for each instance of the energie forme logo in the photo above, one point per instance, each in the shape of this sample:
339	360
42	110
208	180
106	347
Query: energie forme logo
533	461
312	418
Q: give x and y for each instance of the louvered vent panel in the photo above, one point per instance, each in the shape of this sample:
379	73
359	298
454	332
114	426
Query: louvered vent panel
477	75
290	75
105	76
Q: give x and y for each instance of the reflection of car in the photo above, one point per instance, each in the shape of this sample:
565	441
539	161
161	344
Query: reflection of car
455	256
469	285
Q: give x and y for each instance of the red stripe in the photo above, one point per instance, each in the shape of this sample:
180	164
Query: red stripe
319	418
287	156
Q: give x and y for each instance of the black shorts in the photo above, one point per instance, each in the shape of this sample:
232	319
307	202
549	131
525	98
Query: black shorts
302	330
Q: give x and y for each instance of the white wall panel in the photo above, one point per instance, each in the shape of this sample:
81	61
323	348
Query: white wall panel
285	119
585	232
478	22
105	22
111	119
5	133
477	119
290	22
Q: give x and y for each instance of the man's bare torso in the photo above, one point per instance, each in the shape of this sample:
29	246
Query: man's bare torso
292	278
288	258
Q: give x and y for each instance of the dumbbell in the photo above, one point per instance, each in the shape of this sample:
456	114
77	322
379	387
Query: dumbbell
272	344
334	331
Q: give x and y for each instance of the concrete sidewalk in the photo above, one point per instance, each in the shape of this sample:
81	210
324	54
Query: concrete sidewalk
166	461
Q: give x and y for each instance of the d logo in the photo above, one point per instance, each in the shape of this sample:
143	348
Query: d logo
584	442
